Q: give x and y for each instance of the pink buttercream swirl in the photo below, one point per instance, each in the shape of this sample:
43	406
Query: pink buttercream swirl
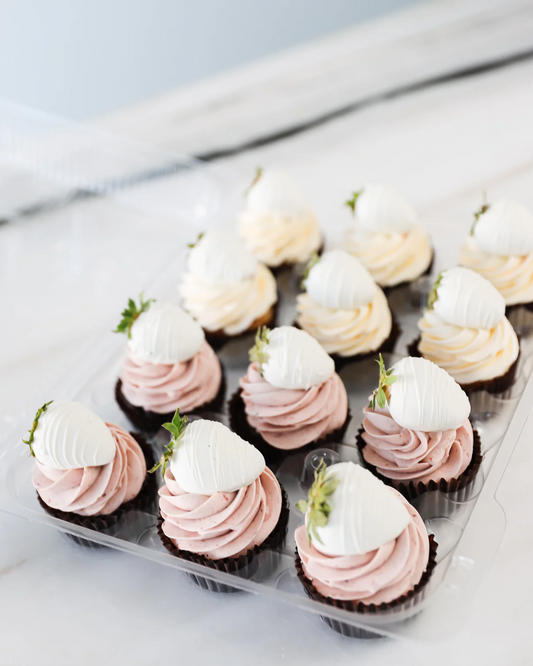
402	454
95	491
289	419
163	388
380	576
223	524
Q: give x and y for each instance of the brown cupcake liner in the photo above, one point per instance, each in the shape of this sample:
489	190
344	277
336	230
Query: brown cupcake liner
388	291
217	339
111	523
150	422
520	315
273	456
494	385
244	566
288	266
403	603
462	486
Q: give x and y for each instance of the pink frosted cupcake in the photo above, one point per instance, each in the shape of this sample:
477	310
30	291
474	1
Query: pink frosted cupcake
416	433
220	506
86	471
363	547
291	395
169	366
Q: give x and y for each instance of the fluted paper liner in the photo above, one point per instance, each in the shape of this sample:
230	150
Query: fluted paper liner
413	489
245	565
403	603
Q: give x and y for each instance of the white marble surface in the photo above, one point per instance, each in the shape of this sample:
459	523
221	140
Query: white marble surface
63	605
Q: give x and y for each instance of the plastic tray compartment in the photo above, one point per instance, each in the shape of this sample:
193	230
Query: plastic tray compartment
468	532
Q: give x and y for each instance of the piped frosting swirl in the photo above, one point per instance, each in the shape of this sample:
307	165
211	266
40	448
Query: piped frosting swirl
94	490
277	225
163	388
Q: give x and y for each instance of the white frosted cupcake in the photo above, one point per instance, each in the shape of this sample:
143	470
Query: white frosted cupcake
464	330
226	289
387	236
277	224
500	248
344	309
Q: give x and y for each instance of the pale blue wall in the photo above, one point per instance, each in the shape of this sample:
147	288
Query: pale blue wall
80	58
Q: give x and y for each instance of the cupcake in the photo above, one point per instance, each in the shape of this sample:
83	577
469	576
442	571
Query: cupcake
500	248
344	309
387	237
277	225
226	289
464	330
220	505
169	365
416	434
86	472
291	395
363	547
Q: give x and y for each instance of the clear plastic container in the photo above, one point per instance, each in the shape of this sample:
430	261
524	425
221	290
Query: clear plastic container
124	238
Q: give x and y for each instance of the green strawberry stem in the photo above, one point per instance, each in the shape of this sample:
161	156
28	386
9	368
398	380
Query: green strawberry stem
317	508
177	430
382	394
258	353
131	313
351	203
33	428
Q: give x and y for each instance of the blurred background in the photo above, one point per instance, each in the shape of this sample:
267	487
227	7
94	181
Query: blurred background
81	58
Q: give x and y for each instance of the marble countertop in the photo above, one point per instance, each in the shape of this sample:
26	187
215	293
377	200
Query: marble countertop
325	112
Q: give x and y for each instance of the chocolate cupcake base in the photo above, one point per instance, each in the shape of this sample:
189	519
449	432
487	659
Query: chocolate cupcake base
150	422
403	603
217	339
111	523
462	487
244	566
273	456
494	385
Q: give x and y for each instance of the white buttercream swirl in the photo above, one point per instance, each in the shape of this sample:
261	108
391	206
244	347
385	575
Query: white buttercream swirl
391	257
466	299
512	275
346	332
210	458
426	398
165	334
295	360
231	308
277	225
364	513
468	354
70	436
